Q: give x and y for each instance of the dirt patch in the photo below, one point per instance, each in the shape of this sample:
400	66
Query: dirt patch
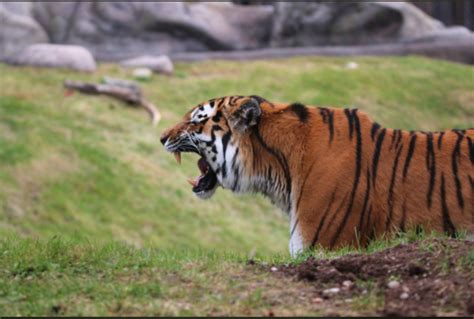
425	278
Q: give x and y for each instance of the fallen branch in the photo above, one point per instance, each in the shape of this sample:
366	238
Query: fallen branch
122	90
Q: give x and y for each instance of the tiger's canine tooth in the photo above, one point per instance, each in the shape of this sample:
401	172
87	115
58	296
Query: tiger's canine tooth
177	156
192	182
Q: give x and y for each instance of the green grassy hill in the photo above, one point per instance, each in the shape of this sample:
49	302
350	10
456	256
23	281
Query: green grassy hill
91	170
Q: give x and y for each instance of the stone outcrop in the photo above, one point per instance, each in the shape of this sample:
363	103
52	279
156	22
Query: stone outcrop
56	56
120	30
115	31
18	29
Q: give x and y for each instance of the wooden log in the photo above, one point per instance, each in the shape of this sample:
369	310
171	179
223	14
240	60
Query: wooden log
118	89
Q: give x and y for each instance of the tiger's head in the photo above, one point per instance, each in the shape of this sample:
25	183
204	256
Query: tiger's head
213	130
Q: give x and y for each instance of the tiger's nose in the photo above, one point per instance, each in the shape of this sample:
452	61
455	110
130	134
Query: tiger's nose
164	137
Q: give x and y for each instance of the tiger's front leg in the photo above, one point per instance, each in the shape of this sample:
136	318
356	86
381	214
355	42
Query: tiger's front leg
296	243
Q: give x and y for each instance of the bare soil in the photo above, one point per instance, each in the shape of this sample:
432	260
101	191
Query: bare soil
428	278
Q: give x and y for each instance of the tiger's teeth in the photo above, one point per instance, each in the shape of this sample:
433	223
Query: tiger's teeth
192	182
177	156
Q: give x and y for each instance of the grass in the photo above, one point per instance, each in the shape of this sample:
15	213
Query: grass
74	276
96	218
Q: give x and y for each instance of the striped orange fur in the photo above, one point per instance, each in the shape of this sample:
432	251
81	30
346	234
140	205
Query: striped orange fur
342	178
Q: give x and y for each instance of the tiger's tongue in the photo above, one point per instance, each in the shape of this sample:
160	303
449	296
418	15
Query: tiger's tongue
204	168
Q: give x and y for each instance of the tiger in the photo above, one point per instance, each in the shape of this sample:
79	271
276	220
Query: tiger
342	178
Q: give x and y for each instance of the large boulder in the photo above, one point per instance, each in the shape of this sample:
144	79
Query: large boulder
17	28
56	56
323	23
120	30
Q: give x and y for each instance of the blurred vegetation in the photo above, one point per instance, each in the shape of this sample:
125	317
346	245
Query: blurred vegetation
131	233
91	167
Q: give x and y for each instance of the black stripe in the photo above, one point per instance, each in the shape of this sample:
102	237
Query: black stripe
411	149
234	158
268	173
395	137
325	214
308	173
390	190
440	139
233	99
454	164
331	125
375	159
224	169
225	142
219	104
301	111
366	201
217	116
350	119
236	178
281	160
399	139
235	169
260	99
328	118
212	142
356	178
430	166
294	227
324	114
471	149
447	224
374	130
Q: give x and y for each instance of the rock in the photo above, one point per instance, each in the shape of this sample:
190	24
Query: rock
56	56
120	30
18	29
449	34
317	300
415	23
393	284
351	65
347	284
404	296
142	74
331	292
324	23
158	64
274	269
114	31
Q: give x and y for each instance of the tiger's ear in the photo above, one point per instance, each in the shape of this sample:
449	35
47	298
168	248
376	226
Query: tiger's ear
247	115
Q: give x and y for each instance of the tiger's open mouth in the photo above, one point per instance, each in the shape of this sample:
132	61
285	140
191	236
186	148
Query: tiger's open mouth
204	183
